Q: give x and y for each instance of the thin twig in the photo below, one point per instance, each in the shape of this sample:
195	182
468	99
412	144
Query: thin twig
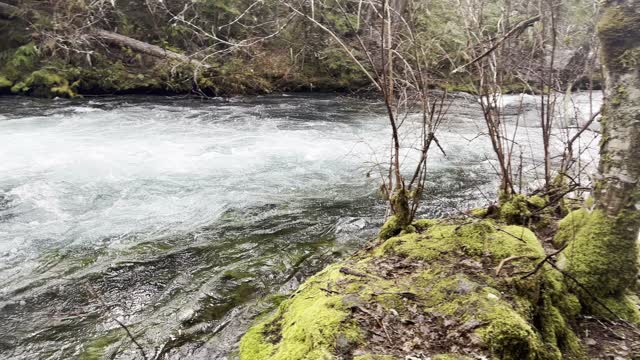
126	329
512	258
546	259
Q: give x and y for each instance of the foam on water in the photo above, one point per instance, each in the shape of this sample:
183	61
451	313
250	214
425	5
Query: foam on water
83	174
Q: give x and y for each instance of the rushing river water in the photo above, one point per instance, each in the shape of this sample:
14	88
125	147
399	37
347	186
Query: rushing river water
184	218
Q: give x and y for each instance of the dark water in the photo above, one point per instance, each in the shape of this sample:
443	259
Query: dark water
184	218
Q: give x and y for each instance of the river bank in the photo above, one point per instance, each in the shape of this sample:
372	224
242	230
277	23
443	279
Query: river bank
460	288
27	71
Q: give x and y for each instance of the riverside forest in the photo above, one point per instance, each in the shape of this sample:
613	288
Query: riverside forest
319	179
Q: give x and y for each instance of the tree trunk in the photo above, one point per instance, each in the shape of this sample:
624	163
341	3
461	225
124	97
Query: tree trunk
143	47
619	33
603	255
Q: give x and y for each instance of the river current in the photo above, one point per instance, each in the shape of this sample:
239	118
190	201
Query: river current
184	218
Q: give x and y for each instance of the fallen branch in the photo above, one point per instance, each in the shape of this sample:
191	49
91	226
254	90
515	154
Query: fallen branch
329	291
8	11
348	271
143	47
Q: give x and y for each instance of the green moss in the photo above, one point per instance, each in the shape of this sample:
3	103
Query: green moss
474	240
408	230
479	212
509	335
304	327
516	210
522	210
459	87
276	299
254	344
618	32
5	83
602	256
559	295
424	224
96	349
390	228
623	306
23	61
616	22
569	226
45	83
537	201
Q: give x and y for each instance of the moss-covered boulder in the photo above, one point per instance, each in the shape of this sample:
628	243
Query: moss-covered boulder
520	209
447	291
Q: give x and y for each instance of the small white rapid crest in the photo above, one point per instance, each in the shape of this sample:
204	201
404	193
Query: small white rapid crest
86	174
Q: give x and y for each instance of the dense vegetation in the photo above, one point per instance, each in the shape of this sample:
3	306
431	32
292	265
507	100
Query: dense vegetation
54	48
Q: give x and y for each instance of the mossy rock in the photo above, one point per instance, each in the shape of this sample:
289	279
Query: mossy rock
522	210
417	290
45	83
479	212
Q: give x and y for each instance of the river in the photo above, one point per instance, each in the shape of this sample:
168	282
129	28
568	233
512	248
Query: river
184	218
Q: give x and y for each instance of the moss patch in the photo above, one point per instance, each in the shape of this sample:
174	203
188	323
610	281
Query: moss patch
304	327
390	228
97	348
569	227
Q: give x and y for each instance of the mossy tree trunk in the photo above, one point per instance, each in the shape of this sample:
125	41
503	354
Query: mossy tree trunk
604	254
619	33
